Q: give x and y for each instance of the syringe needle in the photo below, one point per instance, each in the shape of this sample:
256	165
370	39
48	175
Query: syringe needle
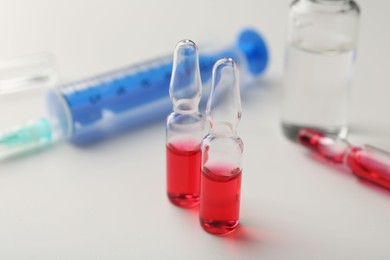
30	136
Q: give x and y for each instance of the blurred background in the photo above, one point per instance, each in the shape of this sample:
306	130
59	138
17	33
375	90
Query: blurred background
108	200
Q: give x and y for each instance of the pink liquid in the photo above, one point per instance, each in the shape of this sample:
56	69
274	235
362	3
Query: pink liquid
183	173
370	166
367	163
220	200
317	142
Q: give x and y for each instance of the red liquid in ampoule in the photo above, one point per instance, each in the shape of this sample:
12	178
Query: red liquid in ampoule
183	173
220	200
309	138
370	165
332	150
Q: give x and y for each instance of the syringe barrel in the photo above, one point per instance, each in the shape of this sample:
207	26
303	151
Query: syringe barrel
105	105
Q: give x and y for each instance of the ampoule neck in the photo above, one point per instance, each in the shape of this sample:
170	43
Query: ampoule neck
223	129
185	106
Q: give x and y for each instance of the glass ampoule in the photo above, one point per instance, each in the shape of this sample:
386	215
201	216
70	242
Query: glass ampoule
185	127
222	153
367	162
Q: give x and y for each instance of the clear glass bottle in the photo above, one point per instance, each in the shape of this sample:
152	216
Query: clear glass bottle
321	46
185	127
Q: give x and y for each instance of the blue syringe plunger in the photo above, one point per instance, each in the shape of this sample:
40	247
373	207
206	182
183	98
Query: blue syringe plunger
255	50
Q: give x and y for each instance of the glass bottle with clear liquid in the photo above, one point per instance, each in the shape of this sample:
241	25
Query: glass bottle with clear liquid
321	44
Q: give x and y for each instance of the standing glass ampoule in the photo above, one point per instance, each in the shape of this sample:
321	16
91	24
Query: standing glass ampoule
222	153
185	127
321	45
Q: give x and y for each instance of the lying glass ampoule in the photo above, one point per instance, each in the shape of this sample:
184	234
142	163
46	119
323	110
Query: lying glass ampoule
366	162
185	127
222	153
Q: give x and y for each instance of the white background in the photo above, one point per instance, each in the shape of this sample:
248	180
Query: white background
108	201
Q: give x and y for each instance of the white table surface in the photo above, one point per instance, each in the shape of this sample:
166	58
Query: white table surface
108	201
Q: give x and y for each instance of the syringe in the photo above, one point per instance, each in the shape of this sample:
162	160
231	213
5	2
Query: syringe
366	162
102	106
